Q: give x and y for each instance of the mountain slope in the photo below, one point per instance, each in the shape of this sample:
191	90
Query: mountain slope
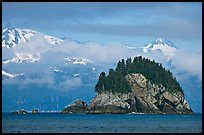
14	36
160	45
166	47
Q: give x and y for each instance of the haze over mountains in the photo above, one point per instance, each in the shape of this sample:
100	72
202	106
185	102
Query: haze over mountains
47	72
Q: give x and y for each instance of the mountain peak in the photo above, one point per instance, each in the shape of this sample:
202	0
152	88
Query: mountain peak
12	36
9	27
159	40
164	45
164	41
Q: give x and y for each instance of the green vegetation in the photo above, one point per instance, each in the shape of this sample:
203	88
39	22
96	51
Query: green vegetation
115	81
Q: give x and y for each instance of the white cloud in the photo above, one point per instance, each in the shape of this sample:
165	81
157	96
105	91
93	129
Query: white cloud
110	53
188	62
69	84
104	53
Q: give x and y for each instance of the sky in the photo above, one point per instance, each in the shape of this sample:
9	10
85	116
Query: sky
131	23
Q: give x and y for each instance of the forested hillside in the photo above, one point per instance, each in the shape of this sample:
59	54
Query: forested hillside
116	82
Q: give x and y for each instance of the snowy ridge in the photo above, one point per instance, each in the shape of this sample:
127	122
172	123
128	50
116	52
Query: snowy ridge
26	34
15	36
80	61
53	40
23	58
10	75
160	44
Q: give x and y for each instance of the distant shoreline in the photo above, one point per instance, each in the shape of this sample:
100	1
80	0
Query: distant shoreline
103	113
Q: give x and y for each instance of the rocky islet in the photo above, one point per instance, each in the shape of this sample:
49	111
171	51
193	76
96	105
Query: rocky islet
145	97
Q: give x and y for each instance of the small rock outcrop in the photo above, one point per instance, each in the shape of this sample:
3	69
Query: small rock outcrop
21	111
35	111
78	106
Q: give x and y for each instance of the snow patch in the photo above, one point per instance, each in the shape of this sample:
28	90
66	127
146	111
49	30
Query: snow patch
75	75
166	48
80	61
14	36
53	40
23	58
56	69
10	75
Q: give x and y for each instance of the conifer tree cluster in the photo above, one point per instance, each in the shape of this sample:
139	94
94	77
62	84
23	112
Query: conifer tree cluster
115	81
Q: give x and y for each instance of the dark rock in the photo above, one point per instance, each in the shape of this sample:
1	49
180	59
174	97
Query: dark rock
78	106
21	111
108	109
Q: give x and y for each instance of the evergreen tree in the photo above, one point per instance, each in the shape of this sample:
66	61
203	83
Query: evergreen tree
101	84
155	72
111	80
129	65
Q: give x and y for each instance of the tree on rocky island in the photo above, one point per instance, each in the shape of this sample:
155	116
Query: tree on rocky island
101	84
116	82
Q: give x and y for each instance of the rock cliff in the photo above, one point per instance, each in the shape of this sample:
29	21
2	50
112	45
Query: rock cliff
145	97
78	106
109	103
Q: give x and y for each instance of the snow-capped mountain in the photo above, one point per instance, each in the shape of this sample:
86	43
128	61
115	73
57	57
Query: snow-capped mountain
164	45
14	36
160	45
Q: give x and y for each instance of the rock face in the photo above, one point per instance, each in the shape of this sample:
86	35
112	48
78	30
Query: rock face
151	98
78	106
145	97
109	103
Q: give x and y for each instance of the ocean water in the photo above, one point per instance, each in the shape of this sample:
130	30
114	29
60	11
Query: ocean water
101	123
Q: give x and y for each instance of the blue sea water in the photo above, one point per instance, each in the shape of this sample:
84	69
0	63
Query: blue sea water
101	123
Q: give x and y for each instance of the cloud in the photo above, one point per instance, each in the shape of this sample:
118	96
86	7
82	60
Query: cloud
104	54
48	81
27	80
177	29
169	19
55	54
83	10
69	84
188	62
